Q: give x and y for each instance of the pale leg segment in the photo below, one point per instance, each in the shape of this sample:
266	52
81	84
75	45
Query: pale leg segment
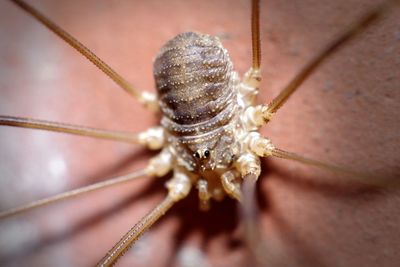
259	145
153	138
204	195
252	78
248	88
229	185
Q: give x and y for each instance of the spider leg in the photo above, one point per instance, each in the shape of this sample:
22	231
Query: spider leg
146	98
249	207
255	34
229	185
265	112
252	79
178	188
249	167
369	179
73	193
204	195
263	147
153	137
158	166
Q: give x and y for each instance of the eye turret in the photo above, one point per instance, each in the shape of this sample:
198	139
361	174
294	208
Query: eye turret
202	154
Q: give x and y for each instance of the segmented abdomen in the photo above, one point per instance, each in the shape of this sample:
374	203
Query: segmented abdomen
195	83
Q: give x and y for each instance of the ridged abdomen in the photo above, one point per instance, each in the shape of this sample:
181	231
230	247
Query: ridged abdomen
193	75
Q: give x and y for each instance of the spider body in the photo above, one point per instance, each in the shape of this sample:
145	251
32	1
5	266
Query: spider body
197	88
203	103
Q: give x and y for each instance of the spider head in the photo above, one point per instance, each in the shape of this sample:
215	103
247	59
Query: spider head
218	152
203	158
213	155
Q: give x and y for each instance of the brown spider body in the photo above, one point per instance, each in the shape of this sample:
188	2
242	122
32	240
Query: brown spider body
197	89
206	127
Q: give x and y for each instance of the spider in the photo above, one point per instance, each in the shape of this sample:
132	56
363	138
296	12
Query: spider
272	92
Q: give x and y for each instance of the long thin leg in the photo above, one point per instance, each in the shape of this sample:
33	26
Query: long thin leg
146	98
249	167
249	208
158	166
73	193
154	137
364	178
252	78
130	237
67	128
178	188
264	148
255	34
353	31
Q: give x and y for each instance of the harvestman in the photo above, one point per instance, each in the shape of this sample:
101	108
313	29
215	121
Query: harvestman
197	153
